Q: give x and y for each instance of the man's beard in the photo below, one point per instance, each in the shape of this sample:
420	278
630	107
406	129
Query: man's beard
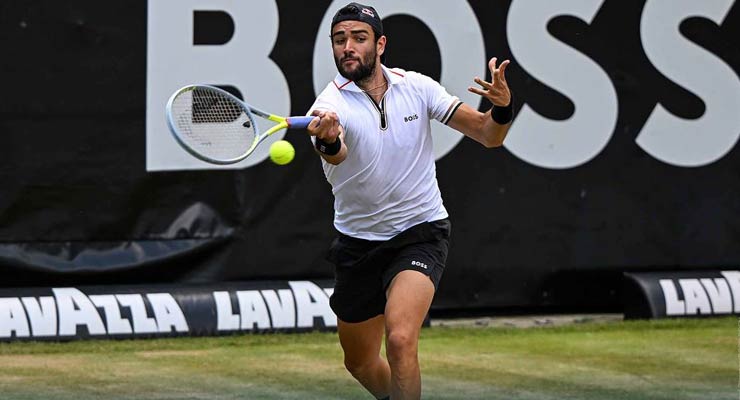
359	74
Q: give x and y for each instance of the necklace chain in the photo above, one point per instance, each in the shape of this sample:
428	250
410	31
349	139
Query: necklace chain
377	87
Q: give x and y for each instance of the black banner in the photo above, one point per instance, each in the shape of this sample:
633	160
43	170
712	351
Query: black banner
119	312
681	294
622	156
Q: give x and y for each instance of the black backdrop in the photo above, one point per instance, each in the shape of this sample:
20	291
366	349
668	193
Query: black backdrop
77	205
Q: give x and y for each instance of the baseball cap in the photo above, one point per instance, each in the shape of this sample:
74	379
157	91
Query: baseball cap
359	12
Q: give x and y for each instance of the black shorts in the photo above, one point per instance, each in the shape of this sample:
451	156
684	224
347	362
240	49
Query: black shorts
363	269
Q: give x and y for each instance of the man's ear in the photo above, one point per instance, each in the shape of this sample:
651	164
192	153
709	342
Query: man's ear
380	46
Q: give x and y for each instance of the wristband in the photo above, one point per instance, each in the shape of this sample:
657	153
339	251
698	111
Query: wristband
329	149
503	115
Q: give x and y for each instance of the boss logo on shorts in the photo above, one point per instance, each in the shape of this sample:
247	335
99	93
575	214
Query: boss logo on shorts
410	118
419	264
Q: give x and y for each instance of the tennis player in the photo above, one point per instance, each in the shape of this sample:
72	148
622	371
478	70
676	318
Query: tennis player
375	141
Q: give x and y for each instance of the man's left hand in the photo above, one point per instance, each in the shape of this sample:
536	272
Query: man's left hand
497	92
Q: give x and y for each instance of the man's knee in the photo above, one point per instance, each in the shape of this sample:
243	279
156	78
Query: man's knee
358	367
401	344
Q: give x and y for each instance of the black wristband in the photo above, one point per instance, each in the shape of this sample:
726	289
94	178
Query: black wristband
329	149
503	115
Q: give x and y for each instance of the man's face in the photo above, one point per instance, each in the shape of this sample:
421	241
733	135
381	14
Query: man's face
355	49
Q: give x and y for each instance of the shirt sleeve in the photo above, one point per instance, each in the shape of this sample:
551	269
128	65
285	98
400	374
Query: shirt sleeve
440	103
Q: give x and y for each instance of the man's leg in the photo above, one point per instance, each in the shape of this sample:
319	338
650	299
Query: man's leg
409	298
361	344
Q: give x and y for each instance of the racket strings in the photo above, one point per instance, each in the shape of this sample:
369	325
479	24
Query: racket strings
212	124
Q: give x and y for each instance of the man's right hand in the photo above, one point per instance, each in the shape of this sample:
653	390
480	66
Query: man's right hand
325	127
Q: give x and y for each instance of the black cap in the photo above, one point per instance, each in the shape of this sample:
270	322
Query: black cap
358	12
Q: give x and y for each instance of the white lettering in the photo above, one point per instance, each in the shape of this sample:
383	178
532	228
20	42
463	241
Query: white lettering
560	144
226	320
167	313
678	141
673	305
695	297
75	308
142	322
733	279
252	310
42	313
243	62
113	320
311	301
12	318
719	295
282	307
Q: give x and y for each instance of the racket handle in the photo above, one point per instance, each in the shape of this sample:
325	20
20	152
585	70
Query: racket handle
299	122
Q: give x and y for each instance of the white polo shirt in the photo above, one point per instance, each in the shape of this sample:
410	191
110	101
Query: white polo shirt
388	181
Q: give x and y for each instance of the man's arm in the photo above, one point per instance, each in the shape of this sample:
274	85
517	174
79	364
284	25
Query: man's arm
484	128
329	135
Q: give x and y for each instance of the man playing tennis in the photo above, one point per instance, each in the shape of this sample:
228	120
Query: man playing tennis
373	134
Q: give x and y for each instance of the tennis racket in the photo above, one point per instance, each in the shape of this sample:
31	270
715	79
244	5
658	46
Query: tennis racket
217	127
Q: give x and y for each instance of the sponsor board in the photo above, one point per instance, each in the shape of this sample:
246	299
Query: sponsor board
139	311
682	294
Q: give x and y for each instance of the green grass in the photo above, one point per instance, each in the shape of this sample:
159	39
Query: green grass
671	359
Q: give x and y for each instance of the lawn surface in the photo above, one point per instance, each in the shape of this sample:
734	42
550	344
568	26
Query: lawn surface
670	359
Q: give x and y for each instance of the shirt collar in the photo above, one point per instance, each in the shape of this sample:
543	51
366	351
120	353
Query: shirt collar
343	83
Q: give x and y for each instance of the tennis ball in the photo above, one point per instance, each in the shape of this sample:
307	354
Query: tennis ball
282	152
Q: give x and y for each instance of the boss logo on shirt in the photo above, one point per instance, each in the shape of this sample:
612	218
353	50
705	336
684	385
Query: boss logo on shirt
419	264
410	118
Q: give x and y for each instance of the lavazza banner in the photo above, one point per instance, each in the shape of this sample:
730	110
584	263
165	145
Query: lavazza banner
682	294
67	313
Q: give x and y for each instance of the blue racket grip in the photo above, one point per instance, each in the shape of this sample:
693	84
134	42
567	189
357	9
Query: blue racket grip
299	122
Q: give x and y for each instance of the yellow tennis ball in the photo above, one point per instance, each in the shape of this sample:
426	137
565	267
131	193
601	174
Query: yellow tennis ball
282	152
